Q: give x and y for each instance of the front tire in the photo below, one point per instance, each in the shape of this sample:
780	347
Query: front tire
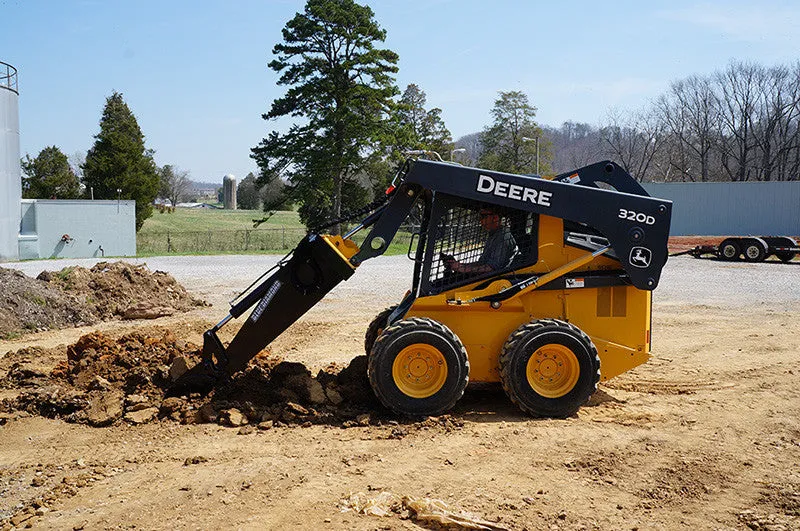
549	368
418	367
376	328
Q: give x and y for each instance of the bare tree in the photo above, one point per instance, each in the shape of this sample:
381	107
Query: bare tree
574	144
691	119
175	183
775	130
634	140
738	94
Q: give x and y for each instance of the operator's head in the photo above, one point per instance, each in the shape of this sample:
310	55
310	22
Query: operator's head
490	220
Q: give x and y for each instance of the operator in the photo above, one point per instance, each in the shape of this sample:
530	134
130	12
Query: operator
498	251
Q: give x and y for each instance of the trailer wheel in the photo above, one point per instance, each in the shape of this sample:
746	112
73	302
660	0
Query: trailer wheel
418	367
754	250
549	368
376	327
729	250
786	256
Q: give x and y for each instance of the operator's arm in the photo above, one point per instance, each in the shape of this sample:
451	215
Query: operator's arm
500	249
475	267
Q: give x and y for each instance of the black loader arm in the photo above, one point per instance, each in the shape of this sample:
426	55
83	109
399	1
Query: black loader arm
636	225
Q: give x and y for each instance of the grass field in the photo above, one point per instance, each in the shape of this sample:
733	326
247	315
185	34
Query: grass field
204	219
217	231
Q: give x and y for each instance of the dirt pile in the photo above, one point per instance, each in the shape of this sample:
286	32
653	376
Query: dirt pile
132	379
119	289
76	296
30	305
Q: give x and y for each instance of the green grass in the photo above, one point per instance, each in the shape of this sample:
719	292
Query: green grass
205	219
211	231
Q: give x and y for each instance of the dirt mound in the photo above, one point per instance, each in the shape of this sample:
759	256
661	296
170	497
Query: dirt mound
29	305
102	381
114	289
76	296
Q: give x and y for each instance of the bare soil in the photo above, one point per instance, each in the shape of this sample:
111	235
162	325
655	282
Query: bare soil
77	296
706	435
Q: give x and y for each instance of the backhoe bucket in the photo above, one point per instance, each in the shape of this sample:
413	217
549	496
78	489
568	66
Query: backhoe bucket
317	265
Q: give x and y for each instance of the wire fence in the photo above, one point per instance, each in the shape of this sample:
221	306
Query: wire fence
278	240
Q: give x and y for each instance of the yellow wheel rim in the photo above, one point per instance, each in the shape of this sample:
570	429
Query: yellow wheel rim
553	370
420	370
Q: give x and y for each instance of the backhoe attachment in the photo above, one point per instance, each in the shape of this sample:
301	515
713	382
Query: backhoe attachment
314	268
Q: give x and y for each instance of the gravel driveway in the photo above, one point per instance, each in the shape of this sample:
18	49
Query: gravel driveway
684	280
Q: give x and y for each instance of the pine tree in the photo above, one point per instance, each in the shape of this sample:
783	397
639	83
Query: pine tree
420	128
119	165
49	176
340	89
510	143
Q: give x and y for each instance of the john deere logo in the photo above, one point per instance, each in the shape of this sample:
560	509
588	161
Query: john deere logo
640	257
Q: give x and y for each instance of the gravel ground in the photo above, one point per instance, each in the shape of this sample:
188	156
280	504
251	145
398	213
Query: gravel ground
685	280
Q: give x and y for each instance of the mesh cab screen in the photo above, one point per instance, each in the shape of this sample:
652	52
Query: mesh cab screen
461	235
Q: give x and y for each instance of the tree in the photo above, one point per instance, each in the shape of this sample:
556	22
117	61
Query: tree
634	141
420	128
119	165
274	196
510	144
76	161
49	176
340	88
247	193
690	113
174	183
575	144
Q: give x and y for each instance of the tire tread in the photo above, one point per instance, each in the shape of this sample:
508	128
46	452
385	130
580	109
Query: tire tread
523	331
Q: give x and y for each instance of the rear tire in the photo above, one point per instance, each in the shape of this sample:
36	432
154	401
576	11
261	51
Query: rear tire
418	367
729	250
376	327
755	250
785	257
549	368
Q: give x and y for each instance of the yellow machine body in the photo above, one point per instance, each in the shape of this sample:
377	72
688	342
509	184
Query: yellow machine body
617	318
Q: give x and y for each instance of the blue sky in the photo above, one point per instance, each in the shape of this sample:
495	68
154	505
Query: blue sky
195	72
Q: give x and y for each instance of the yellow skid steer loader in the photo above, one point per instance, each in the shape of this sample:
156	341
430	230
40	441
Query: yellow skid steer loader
541	285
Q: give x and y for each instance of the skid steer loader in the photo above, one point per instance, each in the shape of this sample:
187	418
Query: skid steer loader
548	296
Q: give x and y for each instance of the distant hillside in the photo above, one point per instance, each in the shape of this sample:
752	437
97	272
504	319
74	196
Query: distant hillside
205	185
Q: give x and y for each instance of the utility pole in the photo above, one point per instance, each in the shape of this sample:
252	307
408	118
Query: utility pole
526	139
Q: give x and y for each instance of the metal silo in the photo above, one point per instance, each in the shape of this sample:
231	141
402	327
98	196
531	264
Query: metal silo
10	180
229	192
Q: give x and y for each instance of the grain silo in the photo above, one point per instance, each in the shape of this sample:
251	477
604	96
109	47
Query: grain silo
10	179
229	192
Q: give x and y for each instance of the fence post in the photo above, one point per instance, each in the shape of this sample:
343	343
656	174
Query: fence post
169	243
284	238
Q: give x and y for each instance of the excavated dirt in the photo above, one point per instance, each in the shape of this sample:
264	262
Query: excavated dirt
76	296
100	381
30	305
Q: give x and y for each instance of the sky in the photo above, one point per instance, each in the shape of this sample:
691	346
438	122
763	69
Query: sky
195	75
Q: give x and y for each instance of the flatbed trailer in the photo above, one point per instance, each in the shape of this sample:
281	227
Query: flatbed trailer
748	249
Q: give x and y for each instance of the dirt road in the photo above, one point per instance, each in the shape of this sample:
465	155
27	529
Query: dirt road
704	436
